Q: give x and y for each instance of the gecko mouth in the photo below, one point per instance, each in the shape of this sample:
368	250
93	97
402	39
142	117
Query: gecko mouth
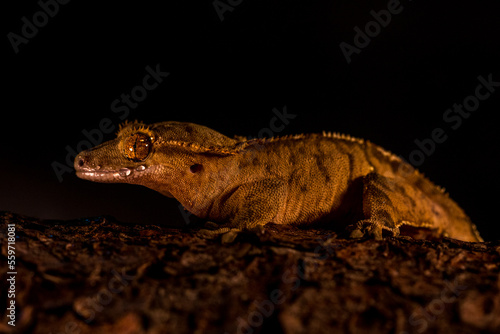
108	175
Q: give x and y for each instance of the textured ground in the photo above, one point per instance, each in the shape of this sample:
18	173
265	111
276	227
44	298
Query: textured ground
102	276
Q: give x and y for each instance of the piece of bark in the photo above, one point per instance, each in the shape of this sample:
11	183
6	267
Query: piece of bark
101	276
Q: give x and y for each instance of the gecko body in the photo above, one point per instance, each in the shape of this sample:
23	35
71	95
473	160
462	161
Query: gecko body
302	179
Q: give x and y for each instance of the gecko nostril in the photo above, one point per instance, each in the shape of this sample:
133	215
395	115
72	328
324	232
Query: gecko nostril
81	163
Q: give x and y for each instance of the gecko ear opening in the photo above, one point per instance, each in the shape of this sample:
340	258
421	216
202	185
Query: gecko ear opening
138	146
195	168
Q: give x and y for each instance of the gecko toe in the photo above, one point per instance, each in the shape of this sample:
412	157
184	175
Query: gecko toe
207	234
376	232
229	237
356	234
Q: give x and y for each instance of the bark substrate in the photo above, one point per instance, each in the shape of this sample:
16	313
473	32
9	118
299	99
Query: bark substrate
98	275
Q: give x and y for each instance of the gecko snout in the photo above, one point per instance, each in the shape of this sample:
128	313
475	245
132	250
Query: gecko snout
81	161
85	162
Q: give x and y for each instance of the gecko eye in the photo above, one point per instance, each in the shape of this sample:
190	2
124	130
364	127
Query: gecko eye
138	146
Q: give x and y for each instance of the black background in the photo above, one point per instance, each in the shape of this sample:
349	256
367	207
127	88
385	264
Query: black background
230	74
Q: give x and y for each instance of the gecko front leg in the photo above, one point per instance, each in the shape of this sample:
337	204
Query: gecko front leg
249	207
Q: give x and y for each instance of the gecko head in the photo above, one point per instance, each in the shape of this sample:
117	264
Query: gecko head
156	156
169	157
127	159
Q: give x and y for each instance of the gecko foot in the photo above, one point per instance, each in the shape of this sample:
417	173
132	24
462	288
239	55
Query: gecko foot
228	235
366	228
371	229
